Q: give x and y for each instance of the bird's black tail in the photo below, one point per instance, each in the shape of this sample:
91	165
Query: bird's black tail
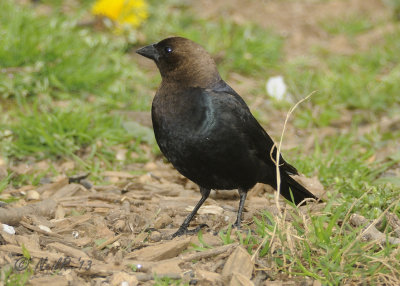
291	188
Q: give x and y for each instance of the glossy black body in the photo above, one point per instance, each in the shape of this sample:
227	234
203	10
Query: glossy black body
206	130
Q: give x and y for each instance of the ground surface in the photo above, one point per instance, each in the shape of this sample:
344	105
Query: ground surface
126	224
113	223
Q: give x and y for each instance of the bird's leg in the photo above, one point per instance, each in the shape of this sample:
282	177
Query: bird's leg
243	195
183	229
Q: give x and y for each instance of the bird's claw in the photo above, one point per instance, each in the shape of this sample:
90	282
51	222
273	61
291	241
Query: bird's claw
236	225
184	230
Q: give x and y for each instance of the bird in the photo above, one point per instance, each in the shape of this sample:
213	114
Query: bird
207	131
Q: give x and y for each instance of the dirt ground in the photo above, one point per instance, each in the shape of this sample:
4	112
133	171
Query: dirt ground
82	234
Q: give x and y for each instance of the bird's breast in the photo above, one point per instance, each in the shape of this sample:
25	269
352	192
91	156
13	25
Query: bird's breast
187	114
204	145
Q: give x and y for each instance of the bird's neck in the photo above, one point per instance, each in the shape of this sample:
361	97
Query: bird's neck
189	78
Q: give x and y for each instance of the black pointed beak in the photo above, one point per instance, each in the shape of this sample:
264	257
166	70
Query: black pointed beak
149	52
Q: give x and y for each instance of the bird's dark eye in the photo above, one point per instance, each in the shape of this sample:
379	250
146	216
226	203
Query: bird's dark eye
168	49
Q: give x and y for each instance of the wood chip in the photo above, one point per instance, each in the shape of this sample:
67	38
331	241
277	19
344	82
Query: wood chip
209	278
96	267
84	204
60	212
48	280
210	253
70	223
12	216
118	174
161	251
39	230
109	241
31	242
208	238
146	266
49	189
370	232
245	267
68	250
213	209
66	191
394	222
240	280
166	268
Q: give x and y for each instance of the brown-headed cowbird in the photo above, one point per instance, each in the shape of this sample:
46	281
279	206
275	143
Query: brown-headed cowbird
206	130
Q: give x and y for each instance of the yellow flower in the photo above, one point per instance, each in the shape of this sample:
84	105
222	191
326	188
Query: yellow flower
132	12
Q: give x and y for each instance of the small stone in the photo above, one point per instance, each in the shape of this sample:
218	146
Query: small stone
121	154
8	229
150	166
155	236
75	234
123	278
86	183
32	195
162	221
66	166
213	209
45	228
120	225
45	180
116	244
146	178
78	177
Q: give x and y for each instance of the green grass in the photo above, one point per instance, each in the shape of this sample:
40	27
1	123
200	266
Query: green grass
325	252
59	83
363	81
246	49
50	53
349	26
65	131
165	281
53	56
11	277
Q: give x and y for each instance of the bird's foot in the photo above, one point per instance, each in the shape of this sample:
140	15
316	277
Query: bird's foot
236	225
184	230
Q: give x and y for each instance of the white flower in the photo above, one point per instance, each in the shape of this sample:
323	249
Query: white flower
276	87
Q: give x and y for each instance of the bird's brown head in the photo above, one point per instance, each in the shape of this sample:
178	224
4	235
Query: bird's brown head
182	62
